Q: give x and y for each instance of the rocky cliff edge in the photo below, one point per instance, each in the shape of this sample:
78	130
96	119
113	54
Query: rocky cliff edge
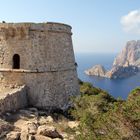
127	63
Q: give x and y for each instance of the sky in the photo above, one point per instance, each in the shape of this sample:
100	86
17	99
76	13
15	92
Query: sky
102	26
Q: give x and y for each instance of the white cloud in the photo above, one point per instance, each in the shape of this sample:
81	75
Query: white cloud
131	22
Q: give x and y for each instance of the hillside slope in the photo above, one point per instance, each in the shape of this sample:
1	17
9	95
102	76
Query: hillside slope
95	115
104	118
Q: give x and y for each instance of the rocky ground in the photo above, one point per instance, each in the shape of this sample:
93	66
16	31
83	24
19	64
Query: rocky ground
95	115
102	117
33	124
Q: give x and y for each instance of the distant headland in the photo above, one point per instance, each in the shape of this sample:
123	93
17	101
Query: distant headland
126	64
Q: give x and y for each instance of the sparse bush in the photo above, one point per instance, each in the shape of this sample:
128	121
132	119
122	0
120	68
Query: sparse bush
104	118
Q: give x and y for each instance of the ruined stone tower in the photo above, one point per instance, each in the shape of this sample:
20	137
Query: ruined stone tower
39	56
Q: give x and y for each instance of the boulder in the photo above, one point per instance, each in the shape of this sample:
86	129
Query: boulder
31	137
73	124
32	128
5	128
13	136
24	136
49	131
49	119
45	120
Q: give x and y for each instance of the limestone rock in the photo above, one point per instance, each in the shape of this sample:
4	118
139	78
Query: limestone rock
31	137
73	124
45	120
49	119
5	128
64	135
130	55
42	120
24	130
13	135
97	70
40	137
122	72
126	64
32	128
24	135
49	131
29	128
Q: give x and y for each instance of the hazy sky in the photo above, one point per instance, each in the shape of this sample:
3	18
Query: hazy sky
98	25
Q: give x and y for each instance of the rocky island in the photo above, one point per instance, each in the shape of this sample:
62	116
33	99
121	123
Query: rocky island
126	64
97	70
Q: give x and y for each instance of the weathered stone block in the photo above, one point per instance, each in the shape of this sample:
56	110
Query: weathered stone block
13	99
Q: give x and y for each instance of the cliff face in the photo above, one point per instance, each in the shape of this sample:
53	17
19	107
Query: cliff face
122	72
97	70
126	64
130	55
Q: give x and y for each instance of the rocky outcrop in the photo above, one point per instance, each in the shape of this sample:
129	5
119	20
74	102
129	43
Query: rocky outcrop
5	127
122	72
13	136
115	72
130	55
126	64
97	70
49	131
30	124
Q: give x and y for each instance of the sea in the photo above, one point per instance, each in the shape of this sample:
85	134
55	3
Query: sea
118	88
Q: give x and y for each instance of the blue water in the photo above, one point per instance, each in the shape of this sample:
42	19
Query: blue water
116	87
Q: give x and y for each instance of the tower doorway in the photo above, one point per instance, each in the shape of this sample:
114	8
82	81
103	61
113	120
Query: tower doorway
16	61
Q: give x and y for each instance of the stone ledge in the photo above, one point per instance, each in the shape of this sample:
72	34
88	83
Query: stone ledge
42	27
13	100
36	71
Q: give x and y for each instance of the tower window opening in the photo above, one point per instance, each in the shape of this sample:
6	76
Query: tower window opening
16	61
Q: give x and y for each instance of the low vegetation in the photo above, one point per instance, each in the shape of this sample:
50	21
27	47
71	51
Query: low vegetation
102	117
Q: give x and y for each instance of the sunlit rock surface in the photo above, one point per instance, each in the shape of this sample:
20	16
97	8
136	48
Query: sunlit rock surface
127	63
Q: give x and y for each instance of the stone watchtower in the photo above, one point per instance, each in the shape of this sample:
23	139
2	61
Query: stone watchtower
39	56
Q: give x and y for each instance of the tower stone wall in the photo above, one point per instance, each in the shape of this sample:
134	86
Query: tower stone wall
46	63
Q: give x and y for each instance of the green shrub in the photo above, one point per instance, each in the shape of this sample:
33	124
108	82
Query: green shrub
102	117
136	90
